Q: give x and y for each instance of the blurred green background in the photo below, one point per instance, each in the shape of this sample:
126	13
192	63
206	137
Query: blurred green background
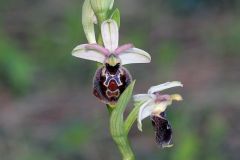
48	112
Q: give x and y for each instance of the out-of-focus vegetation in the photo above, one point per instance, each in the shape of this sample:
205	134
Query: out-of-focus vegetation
47	110
15	68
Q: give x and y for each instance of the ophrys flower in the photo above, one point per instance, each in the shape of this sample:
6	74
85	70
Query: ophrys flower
112	78
154	105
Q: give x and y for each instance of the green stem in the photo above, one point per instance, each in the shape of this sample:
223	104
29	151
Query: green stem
120	138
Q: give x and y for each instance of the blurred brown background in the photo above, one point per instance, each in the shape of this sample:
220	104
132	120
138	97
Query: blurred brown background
47	110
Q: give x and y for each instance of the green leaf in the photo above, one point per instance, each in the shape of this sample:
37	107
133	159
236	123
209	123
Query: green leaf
116	120
116	16
117	128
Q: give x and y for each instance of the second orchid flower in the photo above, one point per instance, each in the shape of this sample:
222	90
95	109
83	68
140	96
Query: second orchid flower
154	105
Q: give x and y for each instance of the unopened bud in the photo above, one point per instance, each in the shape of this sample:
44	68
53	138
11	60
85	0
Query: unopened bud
88	20
101	7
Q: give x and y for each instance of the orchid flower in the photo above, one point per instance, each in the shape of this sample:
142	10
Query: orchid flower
110	34
154	105
111	79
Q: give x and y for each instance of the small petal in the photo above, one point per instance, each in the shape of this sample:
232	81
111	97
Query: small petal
162	97
164	86
110	35
123	48
98	48
134	55
141	97
144	111
82	51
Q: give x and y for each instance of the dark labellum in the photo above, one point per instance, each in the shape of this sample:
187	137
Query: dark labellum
163	130
110	82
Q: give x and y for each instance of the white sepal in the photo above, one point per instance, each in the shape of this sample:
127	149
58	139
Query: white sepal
110	34
81	51
134	55
164	86
144	111
141	97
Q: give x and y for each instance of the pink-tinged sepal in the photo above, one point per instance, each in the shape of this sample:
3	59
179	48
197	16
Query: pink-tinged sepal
123	48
